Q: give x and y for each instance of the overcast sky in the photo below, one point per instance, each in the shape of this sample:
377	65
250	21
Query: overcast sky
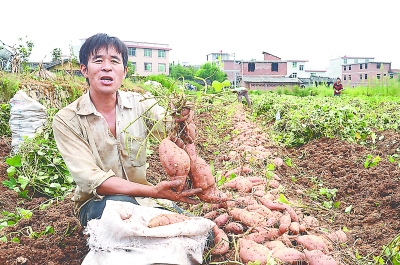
313	30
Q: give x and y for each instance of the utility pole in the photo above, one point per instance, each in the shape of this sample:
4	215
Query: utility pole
234	70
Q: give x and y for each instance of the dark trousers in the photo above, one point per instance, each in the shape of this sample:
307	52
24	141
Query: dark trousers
245	94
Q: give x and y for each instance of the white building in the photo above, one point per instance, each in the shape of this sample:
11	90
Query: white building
336	65
297	69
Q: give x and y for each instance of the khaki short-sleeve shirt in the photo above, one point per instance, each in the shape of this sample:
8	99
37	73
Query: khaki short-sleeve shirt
92	153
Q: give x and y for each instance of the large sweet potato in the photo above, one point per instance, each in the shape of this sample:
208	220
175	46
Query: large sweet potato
251	251
234	228
288	255
167	219
221	242
250	219
312	242
262	236
175	161
317	257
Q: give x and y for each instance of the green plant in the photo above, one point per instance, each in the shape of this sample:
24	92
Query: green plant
10	218
392	251
39	166
371	162
4	120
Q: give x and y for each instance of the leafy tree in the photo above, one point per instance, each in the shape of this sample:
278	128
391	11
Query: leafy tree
212	72
72	55
178	71
56	54
131	69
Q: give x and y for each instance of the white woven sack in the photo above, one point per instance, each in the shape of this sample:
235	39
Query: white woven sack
121	236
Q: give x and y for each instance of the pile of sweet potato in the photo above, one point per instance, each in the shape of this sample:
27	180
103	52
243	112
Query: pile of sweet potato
179	159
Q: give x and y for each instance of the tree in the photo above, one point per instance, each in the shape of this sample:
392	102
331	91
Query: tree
212	72
56	54
178	71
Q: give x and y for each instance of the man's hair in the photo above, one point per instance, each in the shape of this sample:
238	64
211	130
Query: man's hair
339	79
99	41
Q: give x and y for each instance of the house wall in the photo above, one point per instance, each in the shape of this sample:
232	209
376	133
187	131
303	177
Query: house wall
266	86
296	69
270	57
264	68
230	68
140	60
335	65
372	71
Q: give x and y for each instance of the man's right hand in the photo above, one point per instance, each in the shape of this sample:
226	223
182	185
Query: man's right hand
166	190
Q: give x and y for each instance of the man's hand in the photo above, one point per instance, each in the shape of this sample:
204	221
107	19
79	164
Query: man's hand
165	190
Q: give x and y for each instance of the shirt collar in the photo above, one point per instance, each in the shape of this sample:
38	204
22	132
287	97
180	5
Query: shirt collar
86	106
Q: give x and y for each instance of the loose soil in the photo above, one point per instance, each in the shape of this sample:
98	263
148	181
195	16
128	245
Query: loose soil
373	194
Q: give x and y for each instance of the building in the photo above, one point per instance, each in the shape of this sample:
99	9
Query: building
297	69
359	70
147	58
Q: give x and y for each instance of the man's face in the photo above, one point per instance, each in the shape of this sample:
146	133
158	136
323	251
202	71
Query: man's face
105	71
338	81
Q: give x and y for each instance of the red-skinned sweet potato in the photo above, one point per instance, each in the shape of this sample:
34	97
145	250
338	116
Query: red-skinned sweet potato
167	219
317	257
312	242
338	236
175	161
222	219
221	242
250	219
274	244
294	228
262	236
280	207
261	209
284	223
211	215
240	184
234	228
251	251
288	255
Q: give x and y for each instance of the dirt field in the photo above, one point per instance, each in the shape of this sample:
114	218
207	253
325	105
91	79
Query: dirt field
373	193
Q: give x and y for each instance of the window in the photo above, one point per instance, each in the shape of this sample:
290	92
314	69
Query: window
301	67
366	66
313	74
147	67
360	65
349	67
378	76
344	61
161	67
378	66
366	76
391	76
161	53
294	64
355	60
360	77
344	67
251	67
294	75
349	77
147	52
131	51
274	67
344	77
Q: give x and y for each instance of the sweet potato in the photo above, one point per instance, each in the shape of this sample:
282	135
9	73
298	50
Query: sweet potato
294	228
284	223
274	245
175	162
274	183
234	228
221	242
261	209
245	201
338	236
240	184
237	171
317	257
222	219
251	251
288	255
262	236
167	219
280	207
250	219
311	221
312	242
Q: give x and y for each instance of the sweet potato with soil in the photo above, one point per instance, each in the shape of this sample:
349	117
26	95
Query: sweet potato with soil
311	221
262	236
211	215
240	184
251	251
317	257
222	219
250	219
167	219
294	228
280	207
234	228
274	244
312	242
261	209
284	223
338	236
221	242
175	162
288	255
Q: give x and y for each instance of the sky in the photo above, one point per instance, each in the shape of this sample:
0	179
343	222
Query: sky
313	30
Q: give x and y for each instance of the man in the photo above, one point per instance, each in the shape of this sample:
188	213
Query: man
242	91
97	141
337	87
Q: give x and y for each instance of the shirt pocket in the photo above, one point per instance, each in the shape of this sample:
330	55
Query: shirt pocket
135	149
